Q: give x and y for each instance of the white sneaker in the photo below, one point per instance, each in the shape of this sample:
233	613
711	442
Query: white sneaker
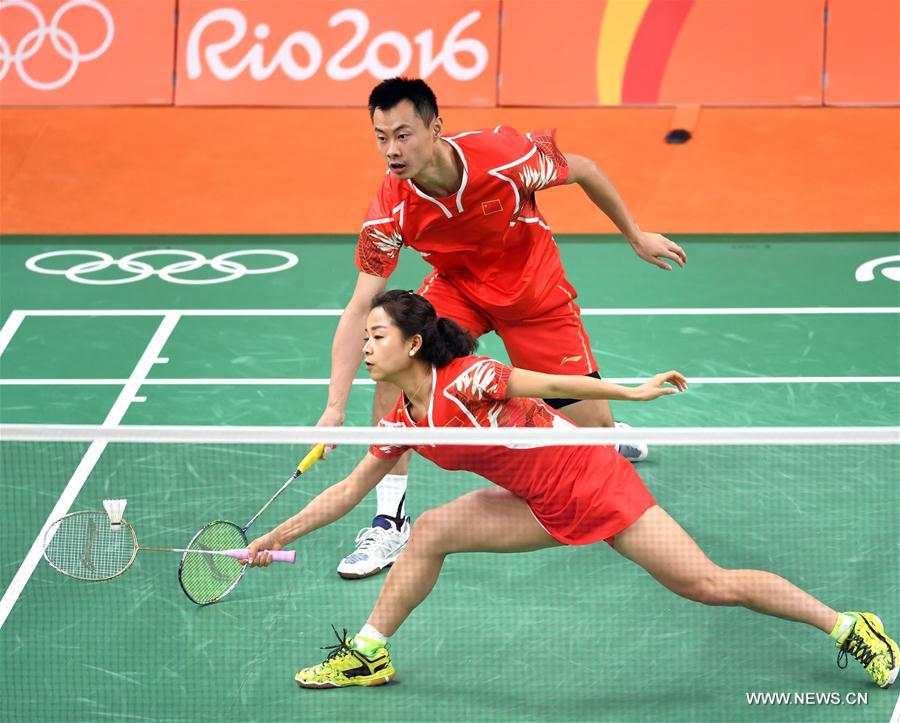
376	549
632	451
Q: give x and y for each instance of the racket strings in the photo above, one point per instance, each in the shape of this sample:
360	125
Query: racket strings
206	578
85	546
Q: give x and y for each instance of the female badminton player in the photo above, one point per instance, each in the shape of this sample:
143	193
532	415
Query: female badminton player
543	496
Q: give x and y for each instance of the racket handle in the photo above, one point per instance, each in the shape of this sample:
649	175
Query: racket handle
310	459
288	556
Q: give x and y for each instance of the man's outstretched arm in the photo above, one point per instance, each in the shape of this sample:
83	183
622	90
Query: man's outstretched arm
652	247
346	349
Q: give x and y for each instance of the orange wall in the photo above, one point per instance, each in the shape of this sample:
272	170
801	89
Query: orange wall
863	61
747	52
258	170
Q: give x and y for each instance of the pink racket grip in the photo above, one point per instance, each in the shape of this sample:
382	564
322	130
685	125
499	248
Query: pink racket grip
288	556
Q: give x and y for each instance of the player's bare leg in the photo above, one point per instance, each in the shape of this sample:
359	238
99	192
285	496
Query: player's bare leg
378	546
486	520
658	543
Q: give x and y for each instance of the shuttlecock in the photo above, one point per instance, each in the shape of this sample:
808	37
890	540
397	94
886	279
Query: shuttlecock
115	509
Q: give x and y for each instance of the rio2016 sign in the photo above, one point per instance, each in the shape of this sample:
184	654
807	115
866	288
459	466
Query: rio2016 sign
280	52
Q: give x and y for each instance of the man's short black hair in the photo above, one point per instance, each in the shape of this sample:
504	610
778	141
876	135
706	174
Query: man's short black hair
389	92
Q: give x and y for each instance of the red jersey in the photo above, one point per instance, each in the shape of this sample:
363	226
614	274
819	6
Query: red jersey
579	494
488	238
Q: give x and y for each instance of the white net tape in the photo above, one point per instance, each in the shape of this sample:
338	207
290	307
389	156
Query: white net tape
666	436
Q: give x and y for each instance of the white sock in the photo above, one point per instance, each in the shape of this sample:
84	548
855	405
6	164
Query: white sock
844	623
368	640
391	493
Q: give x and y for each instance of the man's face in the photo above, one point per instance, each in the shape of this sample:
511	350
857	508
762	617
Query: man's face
404	141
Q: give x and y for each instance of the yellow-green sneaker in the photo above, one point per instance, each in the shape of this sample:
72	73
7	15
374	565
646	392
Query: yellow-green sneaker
869	644
346	666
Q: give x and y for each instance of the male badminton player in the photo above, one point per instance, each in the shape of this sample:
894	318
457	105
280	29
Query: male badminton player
544	496
467	203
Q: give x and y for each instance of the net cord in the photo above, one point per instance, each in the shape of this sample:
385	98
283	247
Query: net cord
364	436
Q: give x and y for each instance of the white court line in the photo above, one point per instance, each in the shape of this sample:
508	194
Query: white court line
895	716
687	311
116	413
294	381
170	319
10	327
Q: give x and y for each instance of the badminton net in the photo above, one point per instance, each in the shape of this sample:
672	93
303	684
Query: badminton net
812	504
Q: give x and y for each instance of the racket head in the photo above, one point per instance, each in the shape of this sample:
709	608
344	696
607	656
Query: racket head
206	579
84	545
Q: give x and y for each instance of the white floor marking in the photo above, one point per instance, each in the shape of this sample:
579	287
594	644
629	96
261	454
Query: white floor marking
83	471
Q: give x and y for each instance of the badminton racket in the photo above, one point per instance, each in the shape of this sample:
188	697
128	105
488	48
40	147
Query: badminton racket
87	546
205	579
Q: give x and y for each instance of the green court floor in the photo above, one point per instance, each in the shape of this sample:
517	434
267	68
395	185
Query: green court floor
771	331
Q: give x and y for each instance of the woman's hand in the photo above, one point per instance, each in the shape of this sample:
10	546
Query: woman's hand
653	388
257	550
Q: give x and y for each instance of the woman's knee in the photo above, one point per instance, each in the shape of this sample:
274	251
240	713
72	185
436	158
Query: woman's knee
712	586
429	533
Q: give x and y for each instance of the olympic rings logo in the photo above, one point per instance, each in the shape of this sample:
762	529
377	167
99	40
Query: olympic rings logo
140	270
62	41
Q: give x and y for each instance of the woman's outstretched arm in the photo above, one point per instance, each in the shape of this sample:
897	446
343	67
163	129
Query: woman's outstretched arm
330	505
525	383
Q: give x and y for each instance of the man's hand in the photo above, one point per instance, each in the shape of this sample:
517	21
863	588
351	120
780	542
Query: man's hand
330	418
652	247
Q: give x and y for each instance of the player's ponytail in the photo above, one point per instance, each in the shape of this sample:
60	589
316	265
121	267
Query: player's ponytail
449	341
443	340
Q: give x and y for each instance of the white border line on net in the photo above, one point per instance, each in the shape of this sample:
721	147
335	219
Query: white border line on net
685	311
300	381
97	444
662	436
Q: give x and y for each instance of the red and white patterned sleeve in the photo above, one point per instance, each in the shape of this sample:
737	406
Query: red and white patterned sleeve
484	380
380	238
548	164
534	158
391	421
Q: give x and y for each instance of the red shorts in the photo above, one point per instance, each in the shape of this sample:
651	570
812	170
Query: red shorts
553	341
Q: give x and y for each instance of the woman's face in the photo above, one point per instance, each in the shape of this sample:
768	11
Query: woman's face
386	352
